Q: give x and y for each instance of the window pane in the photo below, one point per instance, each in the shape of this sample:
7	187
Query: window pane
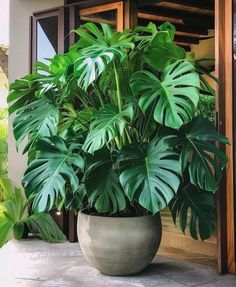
108	17
47	38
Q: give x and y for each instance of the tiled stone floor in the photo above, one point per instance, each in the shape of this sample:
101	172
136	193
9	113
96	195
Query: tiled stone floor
33	263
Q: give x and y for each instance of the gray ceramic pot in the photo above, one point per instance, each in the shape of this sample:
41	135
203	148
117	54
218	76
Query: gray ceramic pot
119	246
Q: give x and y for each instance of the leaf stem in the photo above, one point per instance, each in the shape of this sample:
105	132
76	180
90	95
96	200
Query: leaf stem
99	95
148	120
118	92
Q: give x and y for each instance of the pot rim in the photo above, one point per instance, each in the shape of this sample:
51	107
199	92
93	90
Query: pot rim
119	217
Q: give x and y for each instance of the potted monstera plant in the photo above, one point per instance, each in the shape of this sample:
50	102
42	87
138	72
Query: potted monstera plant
114	129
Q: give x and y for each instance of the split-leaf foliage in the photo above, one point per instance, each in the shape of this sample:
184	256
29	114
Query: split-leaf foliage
115	125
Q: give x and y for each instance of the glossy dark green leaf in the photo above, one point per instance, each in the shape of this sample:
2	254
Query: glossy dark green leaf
102	184
107	124
100	47
149	174
162	50
195	209
175	95
199	153
54	168
22	92
40	118
207	161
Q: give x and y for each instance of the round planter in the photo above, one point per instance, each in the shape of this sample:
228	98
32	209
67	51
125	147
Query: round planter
119	246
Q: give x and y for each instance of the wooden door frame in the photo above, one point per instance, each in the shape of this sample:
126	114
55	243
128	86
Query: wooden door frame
106	7
56	12
224	105
226	196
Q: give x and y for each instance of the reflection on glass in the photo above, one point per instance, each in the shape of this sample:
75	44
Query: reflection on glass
47	38
107	17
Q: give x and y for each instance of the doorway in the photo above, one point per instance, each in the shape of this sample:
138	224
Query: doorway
201	27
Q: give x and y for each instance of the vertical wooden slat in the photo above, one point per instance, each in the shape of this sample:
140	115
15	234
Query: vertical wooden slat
224	69
61	30
31	43
72	237
33	37
231	260
72	24
120	18
130	14
220	102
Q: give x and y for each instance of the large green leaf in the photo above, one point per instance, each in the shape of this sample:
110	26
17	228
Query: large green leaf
23	92
54	168
175	96
40	118
162	50
102	184
149	174
76	120
74	201
44	225
145	34
196	208
206	160
100	47
107	124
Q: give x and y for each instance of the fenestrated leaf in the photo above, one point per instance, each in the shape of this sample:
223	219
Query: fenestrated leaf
22	92
199	154
149	174
102	184
75	200
162	50
195	208
175	96
46	178
145	34
100	47
40	118
107	124
76	120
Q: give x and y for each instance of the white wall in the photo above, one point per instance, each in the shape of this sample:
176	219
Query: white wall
19	49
